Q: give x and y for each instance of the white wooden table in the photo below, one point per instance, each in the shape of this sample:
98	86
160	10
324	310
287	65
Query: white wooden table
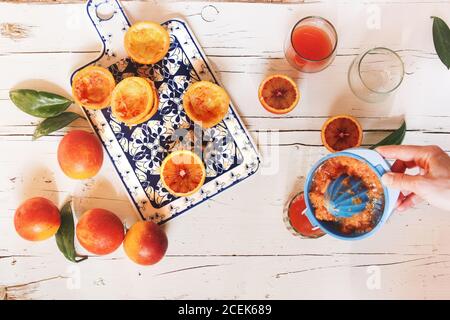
235	245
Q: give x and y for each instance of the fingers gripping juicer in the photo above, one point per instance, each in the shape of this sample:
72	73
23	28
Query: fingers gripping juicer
347	195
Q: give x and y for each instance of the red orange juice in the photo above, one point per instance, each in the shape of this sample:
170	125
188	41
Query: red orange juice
311	45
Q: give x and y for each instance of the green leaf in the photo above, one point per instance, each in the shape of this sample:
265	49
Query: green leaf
40	104
441	39
52	124
395	138
65	235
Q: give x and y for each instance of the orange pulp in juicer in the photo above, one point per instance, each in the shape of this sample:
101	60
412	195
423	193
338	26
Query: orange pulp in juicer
329	171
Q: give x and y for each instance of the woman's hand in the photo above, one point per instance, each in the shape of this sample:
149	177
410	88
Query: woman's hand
432	184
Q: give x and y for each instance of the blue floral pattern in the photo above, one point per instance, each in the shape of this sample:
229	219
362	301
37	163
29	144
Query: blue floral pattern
138	151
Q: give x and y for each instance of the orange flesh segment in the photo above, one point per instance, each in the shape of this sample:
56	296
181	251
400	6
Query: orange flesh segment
206	103
342	133
279	93
149	115
132	99
152	111
93	86
147	42
182	174
130	106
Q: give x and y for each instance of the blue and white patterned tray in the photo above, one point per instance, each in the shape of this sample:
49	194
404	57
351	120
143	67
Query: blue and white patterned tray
228	152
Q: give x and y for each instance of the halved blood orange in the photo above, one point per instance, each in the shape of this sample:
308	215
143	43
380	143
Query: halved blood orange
341	132
92	87
206	103
278	94
132	100
147	42
154	108
182	173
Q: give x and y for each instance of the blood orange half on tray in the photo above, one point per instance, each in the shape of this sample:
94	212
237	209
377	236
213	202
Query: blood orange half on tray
278	94
176	71
147	42
341	132
182	173
92	87
133	100
206	103
153	109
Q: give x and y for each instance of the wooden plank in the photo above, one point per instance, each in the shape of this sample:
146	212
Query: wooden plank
157	1
306	2
246	59
283	277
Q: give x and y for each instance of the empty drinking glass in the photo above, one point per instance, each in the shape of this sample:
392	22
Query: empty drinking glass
375	74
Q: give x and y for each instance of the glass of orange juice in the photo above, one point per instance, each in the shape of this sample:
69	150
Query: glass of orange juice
311	45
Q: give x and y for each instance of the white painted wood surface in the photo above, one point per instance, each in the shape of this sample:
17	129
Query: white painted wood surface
236	245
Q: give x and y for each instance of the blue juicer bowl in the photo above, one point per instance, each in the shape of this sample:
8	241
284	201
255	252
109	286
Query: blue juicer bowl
342	192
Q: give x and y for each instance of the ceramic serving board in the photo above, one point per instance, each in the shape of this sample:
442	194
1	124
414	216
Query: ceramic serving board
136	152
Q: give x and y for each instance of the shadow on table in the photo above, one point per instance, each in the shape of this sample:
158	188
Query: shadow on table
39	181
376	119
100	193
42	85
347	103
279	65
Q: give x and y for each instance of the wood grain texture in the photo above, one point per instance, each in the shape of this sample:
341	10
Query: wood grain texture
236	244
159	1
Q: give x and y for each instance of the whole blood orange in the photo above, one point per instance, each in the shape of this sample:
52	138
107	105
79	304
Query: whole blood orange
92	87
37	219
182	173
278	94
100	231
206	103
147	42
145	243
341	132
132	100
80	154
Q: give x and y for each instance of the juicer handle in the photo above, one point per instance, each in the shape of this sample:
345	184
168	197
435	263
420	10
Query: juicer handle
393	195
380	169
111	23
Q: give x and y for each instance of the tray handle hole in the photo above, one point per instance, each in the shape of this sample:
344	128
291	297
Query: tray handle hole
105	11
